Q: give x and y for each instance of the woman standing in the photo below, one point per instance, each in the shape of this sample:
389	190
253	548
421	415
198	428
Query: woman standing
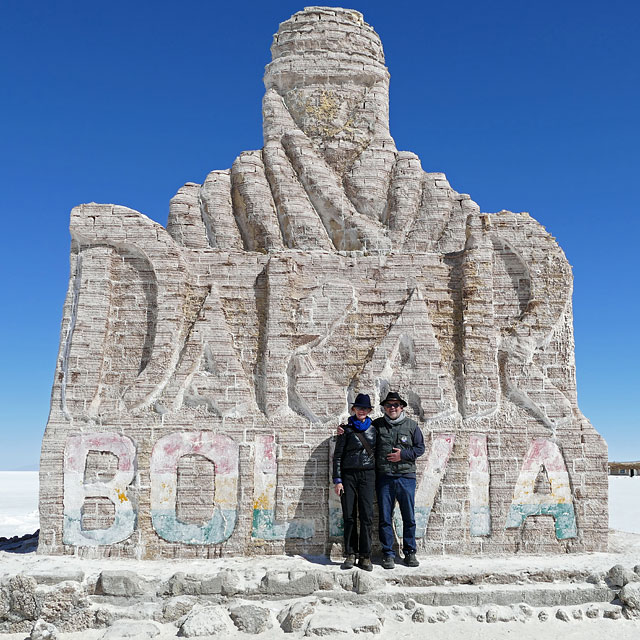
354	478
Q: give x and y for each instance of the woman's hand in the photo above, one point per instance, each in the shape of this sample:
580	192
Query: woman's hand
339	488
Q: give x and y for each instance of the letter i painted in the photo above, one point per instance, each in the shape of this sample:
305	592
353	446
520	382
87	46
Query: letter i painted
480	524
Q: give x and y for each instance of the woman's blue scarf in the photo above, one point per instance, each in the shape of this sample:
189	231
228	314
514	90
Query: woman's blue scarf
359	425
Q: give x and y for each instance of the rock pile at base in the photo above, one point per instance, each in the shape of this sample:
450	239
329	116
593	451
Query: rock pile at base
318	601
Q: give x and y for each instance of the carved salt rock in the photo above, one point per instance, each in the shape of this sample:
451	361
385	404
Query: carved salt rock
65	604
23	597
499	614
131	630
294	616
203	367
418	615
366	583
630	596
492	614
251	618
442	615
177	607
43	631
338	620
206	620
120	583
619	576
526	610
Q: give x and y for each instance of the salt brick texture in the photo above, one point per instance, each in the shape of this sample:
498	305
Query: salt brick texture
325	264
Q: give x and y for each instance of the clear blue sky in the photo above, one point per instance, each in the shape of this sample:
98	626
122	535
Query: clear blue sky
527	106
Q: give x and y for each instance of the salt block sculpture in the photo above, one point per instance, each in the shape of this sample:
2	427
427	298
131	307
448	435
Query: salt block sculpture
204	367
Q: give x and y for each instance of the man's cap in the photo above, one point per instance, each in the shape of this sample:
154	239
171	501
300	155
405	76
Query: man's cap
392	395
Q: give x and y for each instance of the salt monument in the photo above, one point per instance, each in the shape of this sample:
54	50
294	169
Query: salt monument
204	367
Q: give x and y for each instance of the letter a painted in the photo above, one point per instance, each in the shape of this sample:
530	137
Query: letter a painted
558	504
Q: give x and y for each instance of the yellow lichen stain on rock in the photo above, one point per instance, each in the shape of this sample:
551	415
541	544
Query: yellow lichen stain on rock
122	496
166	491
262	502
326	109
325	115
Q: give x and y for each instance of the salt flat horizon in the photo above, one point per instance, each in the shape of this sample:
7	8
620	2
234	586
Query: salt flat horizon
19	503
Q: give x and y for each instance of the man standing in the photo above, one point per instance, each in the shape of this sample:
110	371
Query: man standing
399	443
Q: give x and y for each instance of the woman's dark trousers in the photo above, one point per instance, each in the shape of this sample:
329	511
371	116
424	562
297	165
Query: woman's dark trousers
357	499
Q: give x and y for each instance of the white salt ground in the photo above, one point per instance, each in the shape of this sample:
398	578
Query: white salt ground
624	504
18	503
18	515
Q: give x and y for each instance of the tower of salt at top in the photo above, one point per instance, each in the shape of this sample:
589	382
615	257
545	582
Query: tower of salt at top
204	367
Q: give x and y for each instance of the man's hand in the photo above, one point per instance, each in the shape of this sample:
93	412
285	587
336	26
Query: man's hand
339	488
340	430
394	456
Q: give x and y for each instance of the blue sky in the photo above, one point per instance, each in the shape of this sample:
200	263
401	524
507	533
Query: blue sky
527	106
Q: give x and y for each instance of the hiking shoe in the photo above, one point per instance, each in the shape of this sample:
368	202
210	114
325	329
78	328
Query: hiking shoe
388	562
349	562
410	560
365	564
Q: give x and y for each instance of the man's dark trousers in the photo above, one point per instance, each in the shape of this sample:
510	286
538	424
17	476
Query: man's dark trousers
359	489
402	489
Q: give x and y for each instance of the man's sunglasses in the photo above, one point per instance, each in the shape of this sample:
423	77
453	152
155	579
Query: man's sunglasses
392	405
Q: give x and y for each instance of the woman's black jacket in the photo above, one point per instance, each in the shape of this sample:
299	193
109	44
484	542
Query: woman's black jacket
350	453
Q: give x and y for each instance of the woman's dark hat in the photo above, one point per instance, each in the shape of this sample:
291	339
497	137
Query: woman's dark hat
393	396
363	401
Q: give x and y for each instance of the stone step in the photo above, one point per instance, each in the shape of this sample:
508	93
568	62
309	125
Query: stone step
81	593
535	595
